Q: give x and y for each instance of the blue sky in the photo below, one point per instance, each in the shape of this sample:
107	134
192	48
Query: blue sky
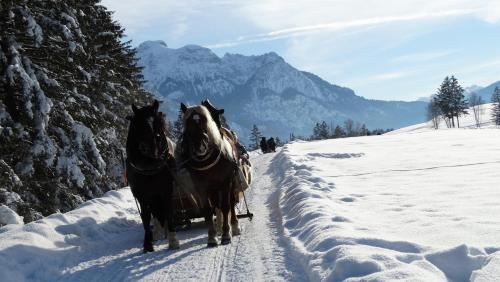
390	50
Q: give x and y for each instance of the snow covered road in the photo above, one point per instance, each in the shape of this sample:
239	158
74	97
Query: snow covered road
102	240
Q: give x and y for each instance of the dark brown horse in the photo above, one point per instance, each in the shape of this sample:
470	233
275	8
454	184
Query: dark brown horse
210	159
150	168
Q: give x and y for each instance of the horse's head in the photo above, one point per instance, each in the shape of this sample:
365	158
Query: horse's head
147	132
200	131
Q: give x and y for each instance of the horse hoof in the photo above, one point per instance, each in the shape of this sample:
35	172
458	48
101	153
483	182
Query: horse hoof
212	242
148	249
173	244
236	230
225	241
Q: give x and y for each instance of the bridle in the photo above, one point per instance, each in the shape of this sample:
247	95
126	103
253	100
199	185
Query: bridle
160	136
205	162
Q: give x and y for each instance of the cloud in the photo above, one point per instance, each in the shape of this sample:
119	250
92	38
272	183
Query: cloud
387	76
336	26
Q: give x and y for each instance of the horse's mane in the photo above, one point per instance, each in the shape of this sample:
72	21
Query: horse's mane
212	130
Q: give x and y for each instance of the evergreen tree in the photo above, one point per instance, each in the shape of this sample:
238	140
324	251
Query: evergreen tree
459	103
443	99
363	131
321	131
255	137
324	132
67	80
495	111
178	127
316	132
451	100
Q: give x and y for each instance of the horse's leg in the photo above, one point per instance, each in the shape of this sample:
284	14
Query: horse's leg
219	220
148	233
235	225
158	231
173	242
225	207
212	233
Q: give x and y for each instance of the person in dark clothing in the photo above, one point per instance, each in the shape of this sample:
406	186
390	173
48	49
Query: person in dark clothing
271	145
263	145
242	151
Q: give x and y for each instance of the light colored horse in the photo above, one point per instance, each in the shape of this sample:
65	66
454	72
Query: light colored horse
208	158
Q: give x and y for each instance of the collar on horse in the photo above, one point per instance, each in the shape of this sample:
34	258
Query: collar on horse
207	162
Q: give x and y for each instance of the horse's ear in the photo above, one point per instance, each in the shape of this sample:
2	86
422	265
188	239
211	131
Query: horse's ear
134	109
156	105
221	111
183	108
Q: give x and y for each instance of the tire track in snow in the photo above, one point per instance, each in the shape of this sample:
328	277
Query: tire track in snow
414	169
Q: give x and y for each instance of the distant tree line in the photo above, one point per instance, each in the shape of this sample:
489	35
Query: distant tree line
349	128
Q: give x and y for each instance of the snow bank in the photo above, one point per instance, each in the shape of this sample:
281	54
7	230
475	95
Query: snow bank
8	216
41	250
419	206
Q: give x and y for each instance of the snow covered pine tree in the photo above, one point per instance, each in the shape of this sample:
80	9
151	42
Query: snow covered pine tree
66	83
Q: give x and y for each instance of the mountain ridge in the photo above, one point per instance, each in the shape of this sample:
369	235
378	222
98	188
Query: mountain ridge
262	89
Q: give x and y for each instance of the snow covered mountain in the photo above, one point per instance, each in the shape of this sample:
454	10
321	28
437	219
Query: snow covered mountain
264	90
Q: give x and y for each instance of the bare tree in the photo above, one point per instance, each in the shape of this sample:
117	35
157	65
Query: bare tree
476	103
349	127
433	113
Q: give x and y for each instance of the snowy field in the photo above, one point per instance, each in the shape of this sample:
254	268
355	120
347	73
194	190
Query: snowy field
413	205
420	206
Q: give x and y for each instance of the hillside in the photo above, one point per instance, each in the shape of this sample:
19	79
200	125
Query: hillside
467	121
263	90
